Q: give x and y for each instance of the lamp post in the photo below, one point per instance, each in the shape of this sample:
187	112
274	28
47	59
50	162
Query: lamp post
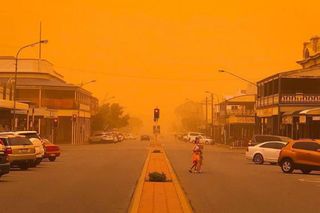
237	76
15	78
85	83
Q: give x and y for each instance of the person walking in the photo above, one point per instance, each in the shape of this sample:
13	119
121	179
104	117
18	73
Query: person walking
199	165
195	156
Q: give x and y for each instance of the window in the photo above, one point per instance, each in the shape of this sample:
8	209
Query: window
311	146
19	141
273	145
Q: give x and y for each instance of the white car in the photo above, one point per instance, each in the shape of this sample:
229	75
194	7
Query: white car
103	137
191	136
265	152
205	140
36	141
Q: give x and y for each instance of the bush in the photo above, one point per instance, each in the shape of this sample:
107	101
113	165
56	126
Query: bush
157	177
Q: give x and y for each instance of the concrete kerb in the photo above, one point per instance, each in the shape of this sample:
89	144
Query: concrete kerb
135	199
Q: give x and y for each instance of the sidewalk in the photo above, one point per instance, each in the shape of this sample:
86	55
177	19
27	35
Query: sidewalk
162	197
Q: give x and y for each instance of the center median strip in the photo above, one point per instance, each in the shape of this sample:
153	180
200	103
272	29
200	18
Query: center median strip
161	197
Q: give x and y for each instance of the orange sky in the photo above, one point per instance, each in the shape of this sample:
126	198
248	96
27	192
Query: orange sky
158	53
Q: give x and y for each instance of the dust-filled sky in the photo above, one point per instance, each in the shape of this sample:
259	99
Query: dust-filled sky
160	53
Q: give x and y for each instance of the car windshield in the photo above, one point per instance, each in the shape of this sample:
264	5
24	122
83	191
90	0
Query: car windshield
19	141
31	135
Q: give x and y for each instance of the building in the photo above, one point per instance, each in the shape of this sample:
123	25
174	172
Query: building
7	106
58	110
288	103
235	123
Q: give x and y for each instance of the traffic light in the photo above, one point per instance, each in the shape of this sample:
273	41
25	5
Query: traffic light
55	123
156	114
74	117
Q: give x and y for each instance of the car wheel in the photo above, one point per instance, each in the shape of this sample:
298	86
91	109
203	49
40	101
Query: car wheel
258	159
52	158
287	166
306	171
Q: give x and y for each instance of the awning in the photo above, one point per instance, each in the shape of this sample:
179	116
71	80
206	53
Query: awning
7	104
313	111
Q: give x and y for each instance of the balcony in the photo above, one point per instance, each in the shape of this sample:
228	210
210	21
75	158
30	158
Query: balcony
59	103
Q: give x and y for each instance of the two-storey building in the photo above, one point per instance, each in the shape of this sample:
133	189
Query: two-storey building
58	110
236	120
288	103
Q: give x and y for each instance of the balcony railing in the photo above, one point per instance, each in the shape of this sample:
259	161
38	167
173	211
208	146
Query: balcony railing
59	103
300	99
241	112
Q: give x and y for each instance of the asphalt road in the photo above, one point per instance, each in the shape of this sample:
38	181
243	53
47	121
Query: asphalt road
231	184
87	178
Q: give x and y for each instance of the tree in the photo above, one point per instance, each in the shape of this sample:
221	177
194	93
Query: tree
135	125
109	116
190	117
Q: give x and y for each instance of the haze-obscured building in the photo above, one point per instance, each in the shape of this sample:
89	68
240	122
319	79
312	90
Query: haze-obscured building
236	120
57	110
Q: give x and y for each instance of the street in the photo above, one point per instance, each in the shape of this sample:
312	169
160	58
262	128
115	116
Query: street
102	178
229	183
86	178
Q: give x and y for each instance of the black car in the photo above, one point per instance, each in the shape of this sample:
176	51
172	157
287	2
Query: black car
4	164
145	138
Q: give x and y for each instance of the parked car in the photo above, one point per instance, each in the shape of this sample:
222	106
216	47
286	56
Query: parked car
51	151
145	138
257	139
205	140
36	141
4	163
301	154
20	150
103	137
265	152
191	136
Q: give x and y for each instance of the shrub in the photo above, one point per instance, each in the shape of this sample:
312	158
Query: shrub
157	177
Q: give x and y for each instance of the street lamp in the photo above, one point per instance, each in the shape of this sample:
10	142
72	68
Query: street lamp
15	78
237	76
85	83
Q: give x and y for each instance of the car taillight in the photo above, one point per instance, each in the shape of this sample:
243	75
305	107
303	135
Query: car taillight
8	151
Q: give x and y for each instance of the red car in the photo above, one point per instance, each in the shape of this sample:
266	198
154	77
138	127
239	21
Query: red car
51	151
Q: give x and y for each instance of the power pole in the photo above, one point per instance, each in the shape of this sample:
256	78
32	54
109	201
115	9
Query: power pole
206	116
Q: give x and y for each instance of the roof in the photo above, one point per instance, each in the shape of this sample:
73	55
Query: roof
242	98
313	72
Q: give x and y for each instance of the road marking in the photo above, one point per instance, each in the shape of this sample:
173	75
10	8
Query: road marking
310	180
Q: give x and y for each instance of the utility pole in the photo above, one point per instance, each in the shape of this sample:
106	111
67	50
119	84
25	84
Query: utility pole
212	116
206	116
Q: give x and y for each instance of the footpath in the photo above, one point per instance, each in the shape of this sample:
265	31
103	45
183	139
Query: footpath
162	197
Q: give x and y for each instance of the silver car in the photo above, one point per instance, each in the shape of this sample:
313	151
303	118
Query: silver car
103	137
